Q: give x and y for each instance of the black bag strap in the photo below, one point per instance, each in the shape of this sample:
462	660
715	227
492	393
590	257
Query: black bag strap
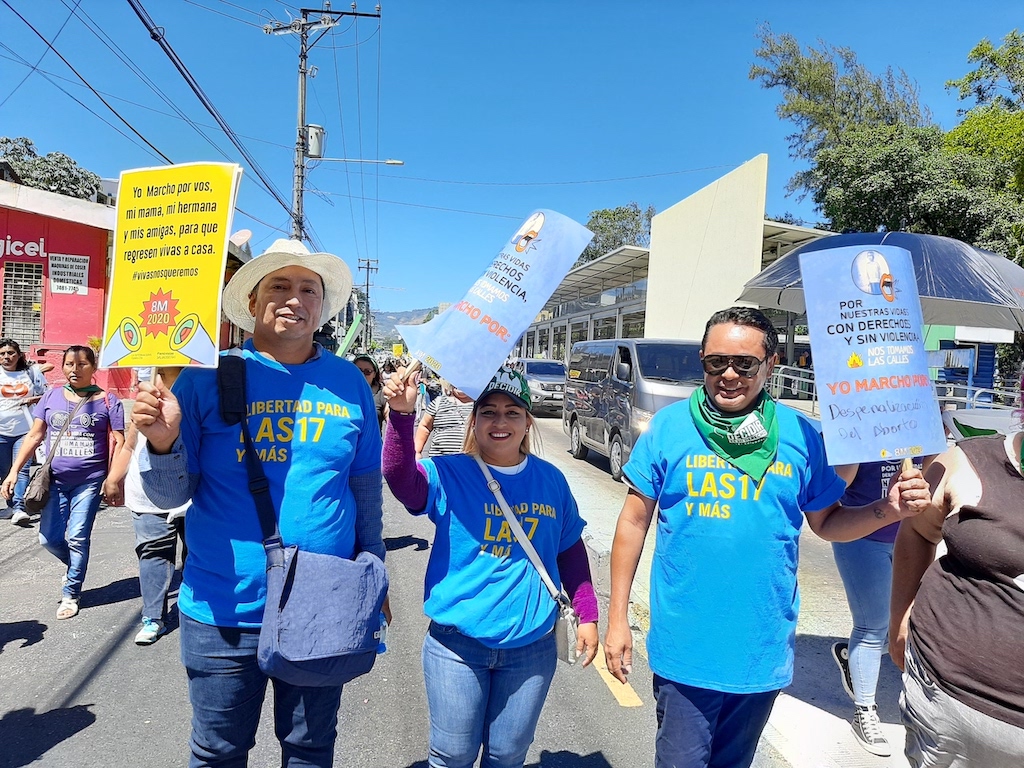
231	386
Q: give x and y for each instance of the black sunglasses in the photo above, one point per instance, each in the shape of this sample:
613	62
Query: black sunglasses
744	365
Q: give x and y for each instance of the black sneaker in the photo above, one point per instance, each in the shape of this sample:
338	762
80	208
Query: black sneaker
841	655
867	729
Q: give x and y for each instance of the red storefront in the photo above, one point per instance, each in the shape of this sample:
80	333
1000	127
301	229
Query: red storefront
53	276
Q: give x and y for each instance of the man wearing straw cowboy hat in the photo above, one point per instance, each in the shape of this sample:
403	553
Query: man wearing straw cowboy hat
314	426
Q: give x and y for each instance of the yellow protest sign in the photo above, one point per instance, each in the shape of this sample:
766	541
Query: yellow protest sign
397	350
170	250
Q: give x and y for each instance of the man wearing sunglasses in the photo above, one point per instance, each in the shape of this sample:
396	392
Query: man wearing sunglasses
734	475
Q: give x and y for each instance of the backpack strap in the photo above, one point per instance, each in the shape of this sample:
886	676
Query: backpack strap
231	388
231	384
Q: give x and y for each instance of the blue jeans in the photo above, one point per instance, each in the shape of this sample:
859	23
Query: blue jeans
156	545
866	569
9	447
65	526
226	688
701	728
483	696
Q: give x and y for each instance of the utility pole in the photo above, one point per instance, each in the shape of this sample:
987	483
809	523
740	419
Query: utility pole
323	19
370	265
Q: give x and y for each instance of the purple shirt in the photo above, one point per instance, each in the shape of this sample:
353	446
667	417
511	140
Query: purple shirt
82	454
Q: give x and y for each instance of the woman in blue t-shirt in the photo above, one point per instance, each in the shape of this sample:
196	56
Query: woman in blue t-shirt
489	655
78	467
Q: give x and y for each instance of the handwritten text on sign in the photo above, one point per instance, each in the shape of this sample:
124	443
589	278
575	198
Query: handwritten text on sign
864	315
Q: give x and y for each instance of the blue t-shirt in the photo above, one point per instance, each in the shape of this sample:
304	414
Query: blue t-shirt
479	580
724	597
314	425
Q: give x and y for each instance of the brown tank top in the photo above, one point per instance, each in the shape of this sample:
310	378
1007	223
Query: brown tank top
967	625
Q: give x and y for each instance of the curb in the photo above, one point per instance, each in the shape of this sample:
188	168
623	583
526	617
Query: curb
639	613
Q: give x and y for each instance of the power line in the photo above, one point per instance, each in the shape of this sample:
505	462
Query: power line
157	33
115	97
221	13
134	68
79	76
41	56
434	207
82	104
344	149
403	177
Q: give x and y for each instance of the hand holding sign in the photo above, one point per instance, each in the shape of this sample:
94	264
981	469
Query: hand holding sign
469	341
910	495
401	390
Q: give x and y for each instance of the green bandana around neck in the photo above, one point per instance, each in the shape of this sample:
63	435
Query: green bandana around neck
748	442
89	391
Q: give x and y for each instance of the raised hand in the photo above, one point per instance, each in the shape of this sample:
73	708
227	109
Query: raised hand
401	393
157	415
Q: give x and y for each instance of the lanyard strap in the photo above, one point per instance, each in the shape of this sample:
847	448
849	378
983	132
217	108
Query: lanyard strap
520	535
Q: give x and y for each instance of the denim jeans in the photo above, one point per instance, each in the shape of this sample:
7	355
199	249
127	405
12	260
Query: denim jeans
65	526
866	569
156	545
483	696
702	728
9	447
226	688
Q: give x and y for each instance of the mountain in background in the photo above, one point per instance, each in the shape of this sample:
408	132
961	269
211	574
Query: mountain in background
384	322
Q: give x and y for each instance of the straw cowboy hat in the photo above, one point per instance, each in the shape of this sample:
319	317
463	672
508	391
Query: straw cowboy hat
283	253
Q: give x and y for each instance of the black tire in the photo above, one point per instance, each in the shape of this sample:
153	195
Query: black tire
615	458
576	446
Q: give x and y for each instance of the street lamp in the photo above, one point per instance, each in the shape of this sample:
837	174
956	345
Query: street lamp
354	160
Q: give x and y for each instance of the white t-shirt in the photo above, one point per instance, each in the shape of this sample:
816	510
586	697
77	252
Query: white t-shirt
16	388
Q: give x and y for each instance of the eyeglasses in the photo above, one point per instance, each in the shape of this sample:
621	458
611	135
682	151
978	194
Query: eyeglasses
366	371
744	365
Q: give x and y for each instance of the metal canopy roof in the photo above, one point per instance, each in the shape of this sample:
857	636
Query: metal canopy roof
622	266
629	263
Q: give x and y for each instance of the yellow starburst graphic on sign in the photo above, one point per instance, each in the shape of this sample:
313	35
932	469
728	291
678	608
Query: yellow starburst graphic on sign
884	453
854	361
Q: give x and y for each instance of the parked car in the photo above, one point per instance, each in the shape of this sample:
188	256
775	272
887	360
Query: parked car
614	387
547	383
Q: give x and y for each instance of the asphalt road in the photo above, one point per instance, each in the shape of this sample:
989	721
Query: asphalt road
80	693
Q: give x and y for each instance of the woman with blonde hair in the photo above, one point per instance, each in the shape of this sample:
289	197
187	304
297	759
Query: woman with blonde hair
489	654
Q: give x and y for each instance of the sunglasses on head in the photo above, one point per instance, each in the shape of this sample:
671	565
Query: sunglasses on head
745	365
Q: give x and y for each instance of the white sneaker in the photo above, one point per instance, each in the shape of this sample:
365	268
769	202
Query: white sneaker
151	630
22	518
867	729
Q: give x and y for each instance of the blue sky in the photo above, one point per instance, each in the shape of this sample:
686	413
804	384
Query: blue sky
496	108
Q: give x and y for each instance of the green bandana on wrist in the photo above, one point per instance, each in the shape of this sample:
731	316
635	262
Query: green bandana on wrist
748	442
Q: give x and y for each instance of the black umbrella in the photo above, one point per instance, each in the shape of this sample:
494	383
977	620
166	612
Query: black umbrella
958	283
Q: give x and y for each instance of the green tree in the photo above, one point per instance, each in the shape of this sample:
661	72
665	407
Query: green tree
898	177
827	92
999	77
54	172
615	227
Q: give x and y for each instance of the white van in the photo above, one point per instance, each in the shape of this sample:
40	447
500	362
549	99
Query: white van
614	386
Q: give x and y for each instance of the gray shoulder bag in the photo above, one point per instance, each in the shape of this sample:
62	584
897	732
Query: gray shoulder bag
567	624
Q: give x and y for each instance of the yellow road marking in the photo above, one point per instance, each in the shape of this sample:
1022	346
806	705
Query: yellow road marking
623	692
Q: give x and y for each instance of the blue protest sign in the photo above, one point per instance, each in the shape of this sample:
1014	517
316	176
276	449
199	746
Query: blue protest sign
469	341
870	366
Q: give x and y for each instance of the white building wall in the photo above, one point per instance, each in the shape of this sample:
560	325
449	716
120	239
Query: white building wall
703	249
